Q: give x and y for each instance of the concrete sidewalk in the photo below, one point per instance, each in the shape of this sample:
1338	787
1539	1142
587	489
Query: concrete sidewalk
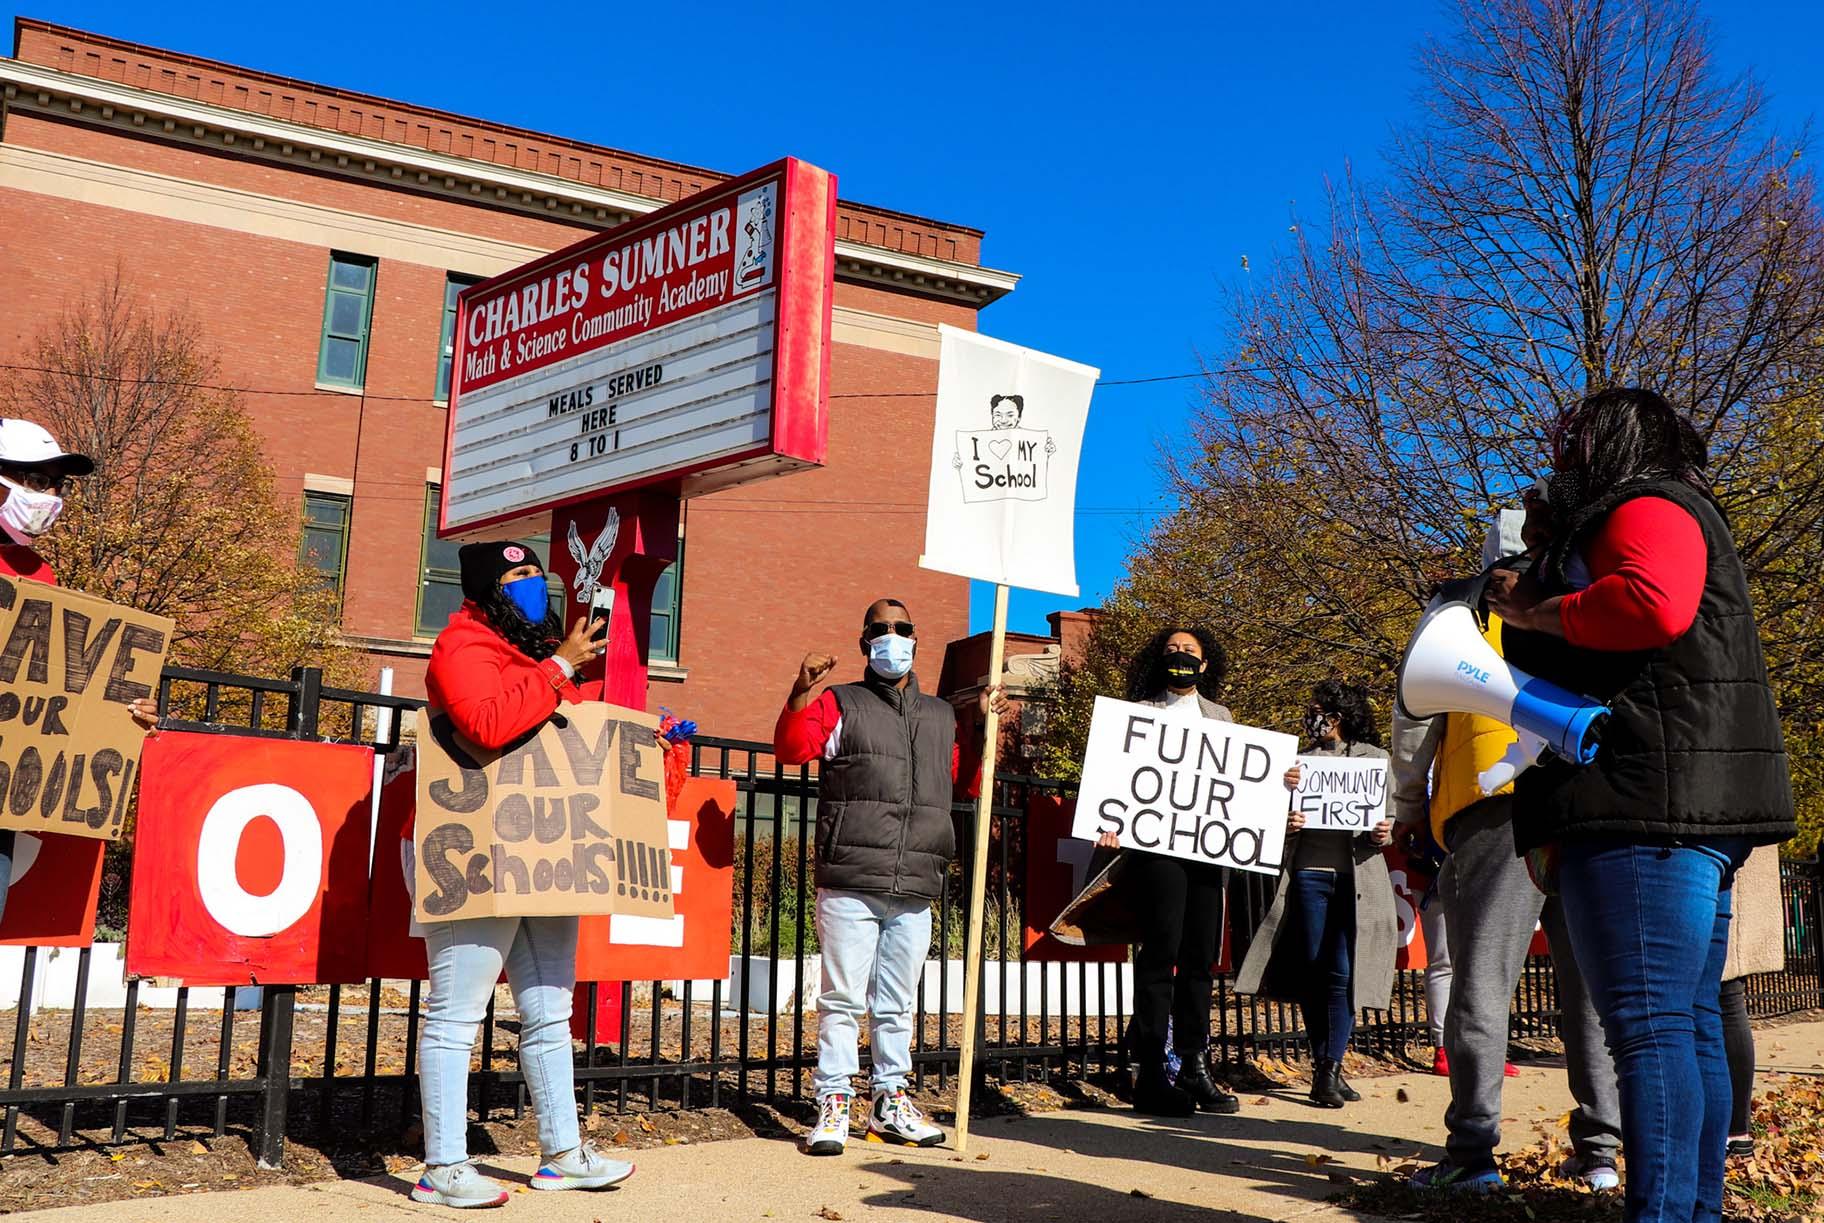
1100	1166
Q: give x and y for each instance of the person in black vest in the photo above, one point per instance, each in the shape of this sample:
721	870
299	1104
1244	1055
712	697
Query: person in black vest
1641	602
885	837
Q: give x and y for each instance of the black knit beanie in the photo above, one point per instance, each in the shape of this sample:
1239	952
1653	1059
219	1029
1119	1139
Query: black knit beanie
483	565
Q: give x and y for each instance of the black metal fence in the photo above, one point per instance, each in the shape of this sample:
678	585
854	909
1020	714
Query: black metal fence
341	1061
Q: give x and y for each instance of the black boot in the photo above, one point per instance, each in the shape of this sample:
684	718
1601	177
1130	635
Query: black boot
1155	1094
1342	1086
1195	1081
1326	1085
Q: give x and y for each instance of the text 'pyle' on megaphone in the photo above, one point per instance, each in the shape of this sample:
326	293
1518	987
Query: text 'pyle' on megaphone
1449	667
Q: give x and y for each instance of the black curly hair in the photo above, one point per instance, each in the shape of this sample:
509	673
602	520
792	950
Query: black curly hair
1349	703
1146	670
536	641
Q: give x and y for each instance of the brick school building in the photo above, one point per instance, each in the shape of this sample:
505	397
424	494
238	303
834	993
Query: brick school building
320	236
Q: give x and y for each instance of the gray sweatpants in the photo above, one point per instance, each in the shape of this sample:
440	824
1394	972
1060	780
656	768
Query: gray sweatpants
1493	906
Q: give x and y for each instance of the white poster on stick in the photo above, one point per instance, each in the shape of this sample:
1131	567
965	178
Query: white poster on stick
1004	457
1341	794
1178	783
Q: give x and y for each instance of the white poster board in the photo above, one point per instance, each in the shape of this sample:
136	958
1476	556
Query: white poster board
1004	456
1341	794
1178	783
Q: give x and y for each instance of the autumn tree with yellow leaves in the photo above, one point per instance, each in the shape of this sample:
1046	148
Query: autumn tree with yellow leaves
1583	202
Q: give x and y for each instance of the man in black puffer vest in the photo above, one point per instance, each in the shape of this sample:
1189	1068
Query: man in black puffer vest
1642	602
885	837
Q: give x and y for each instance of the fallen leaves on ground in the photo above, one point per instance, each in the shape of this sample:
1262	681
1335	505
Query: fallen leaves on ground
1782	1182
827	1213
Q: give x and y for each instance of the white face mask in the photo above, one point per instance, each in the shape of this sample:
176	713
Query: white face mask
891	655
26	514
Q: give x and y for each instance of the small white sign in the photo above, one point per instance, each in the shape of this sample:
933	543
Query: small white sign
1341	794
1004	454
1178	783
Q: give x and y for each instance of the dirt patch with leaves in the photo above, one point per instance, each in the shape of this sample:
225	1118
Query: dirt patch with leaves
1782	1182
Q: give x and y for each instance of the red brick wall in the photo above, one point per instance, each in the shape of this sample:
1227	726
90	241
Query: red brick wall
771	570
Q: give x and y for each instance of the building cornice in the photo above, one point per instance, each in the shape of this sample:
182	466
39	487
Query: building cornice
31	86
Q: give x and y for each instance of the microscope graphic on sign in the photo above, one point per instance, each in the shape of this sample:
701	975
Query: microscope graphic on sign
755	212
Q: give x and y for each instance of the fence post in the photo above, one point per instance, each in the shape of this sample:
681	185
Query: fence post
301	718
1817	921
276	1009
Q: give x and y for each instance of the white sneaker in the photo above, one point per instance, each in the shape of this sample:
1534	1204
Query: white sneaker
581	1167
894	1118
832	1132
1596	1171
458	1185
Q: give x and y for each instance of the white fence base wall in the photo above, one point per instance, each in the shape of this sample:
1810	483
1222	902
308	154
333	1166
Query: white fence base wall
54	983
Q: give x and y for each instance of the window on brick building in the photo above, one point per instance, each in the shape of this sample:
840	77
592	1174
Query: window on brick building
667	609
446	351
348	313
324	545
439	573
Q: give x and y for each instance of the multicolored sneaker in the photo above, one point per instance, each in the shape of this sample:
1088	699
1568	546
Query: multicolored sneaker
1596	1171
1483	1178
894	1118
458	1185
831	1134
581	1167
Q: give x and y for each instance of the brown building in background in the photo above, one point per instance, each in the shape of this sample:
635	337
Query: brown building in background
320	237
1028	669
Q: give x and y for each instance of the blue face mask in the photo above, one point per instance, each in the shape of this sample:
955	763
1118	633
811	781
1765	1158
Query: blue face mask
529	596
891	656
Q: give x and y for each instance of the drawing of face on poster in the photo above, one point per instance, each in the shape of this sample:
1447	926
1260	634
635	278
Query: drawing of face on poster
1006	461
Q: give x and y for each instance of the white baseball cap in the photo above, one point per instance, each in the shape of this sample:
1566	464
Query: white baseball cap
24	444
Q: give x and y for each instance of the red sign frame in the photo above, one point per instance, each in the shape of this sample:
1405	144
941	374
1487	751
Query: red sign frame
804	270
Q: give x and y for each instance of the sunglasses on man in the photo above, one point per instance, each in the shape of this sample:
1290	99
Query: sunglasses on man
880	628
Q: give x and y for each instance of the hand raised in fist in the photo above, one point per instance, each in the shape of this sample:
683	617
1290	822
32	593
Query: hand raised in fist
812	670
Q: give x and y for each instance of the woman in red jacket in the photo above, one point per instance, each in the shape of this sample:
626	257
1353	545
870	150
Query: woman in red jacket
498	671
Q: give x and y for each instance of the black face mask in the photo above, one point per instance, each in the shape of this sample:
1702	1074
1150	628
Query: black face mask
1182	668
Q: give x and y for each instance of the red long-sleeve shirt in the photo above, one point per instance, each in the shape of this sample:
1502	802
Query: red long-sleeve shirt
19	561
1647	566
815	733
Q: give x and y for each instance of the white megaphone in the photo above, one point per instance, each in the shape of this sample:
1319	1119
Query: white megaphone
1449	667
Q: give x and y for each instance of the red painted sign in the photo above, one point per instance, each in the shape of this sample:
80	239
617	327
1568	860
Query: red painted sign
693	945
250	861
1057	867
56	882
688	349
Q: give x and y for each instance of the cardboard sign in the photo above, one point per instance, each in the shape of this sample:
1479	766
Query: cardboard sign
570	820
1057	867
70	666
55	884
692	944
250	861
1178	783
1341	793
1004	453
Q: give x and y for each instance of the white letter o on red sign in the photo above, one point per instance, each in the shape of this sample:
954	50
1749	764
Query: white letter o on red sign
239	911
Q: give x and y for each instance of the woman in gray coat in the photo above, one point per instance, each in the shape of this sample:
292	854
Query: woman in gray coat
1329	940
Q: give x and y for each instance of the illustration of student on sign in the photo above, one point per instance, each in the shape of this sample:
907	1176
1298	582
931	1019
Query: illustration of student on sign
1006	459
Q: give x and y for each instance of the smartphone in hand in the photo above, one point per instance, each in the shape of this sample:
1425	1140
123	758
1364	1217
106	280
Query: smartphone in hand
601	607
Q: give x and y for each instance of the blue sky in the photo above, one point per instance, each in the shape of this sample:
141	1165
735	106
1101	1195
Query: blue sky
1123	160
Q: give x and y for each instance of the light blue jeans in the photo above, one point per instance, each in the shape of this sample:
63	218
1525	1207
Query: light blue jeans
539	954
874	948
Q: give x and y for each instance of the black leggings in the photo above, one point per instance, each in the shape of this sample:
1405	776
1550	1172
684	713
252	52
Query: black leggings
1738	1044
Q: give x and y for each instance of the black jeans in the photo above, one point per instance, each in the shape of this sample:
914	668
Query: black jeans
1738	1046
1179	905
